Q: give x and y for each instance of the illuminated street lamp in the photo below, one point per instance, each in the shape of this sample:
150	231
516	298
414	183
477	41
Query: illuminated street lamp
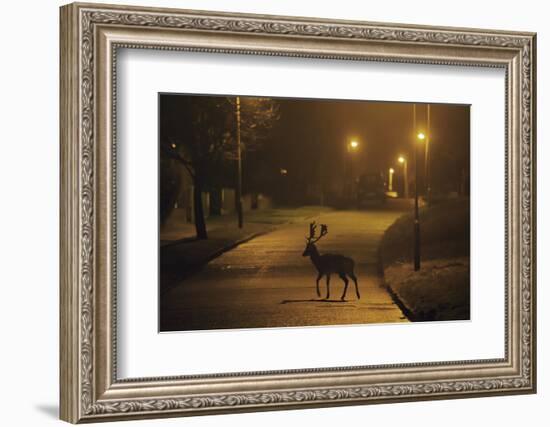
420	137
390	179
351	147
403	161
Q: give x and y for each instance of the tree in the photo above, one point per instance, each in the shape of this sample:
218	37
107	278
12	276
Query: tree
258	115
254	116
199	133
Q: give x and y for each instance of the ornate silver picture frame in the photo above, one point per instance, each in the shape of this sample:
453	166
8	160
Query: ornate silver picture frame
91	35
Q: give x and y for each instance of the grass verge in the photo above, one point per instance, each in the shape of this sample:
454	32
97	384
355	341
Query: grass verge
440	290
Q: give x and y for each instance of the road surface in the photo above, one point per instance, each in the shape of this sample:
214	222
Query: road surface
266	282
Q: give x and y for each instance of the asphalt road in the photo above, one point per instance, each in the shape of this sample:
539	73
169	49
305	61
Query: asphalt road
267	283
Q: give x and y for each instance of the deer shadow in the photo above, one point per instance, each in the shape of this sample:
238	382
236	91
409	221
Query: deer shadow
290	301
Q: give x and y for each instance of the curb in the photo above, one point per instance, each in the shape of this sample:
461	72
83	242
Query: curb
194	268
409	314
428	313
236	243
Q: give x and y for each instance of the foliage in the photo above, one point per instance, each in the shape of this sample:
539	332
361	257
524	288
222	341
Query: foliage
200	131
200	134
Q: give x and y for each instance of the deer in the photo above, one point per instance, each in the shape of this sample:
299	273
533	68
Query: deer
328	264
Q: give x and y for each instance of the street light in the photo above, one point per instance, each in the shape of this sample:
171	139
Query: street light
390	179
352	147
403	161
420	137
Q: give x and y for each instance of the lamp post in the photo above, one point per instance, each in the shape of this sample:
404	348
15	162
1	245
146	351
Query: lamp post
238	192
352	147
403	161
390	179
420	136
427	184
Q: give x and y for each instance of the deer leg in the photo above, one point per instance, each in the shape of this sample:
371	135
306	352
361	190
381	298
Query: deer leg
318	278
356	286
346	281
328	286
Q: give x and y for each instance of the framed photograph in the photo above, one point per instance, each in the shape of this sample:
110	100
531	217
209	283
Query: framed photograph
265	212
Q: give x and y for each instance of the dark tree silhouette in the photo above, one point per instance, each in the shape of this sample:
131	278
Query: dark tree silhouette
198	133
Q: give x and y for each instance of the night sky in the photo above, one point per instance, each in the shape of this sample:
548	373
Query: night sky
313	134
310	139
383	129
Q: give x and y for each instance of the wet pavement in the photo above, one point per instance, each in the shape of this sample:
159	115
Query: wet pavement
266	282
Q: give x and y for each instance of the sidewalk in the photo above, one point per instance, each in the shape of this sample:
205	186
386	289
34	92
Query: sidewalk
178	229
179	259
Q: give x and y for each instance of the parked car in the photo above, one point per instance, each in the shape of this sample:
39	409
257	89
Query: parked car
371	188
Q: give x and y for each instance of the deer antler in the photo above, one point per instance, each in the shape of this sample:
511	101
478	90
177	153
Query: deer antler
312	227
